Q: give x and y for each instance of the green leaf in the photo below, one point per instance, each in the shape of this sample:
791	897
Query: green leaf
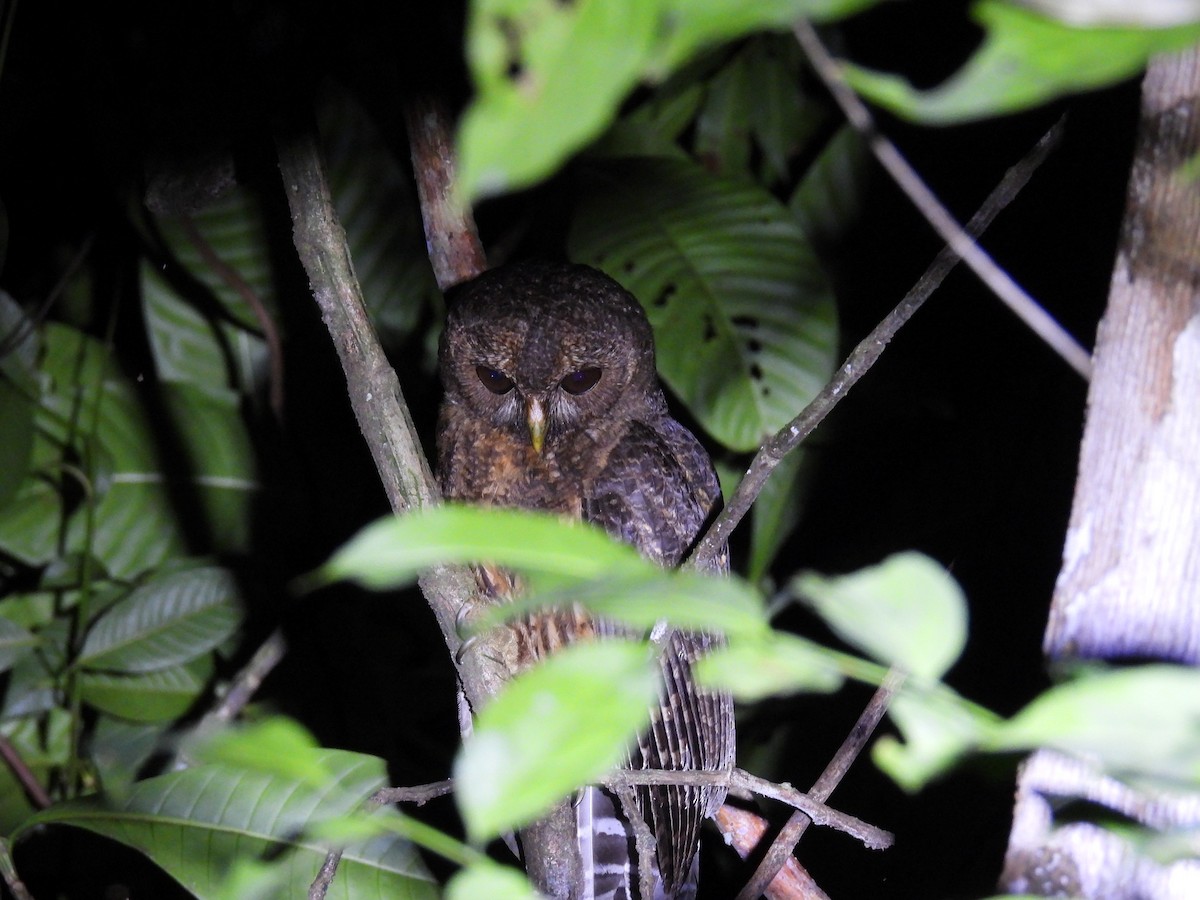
119	748
191	347
780	664
392	551
43	743
906	611
562	563
1140	723
564	722
165	622
29	523
487	879
202	330
775	514
833	190
196	823
743	315
278	745
687	599
548	78
162	695
1026	59
15	641
939	729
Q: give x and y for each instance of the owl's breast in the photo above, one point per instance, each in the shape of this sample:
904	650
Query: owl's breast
481	463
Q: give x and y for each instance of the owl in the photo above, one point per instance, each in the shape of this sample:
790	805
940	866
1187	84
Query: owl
552	402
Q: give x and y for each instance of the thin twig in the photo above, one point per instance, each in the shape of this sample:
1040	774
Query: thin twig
861	359
785	842
17	765
241	690
419	794
234	281
741	780
1001	284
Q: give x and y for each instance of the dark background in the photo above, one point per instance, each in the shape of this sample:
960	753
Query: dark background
961	442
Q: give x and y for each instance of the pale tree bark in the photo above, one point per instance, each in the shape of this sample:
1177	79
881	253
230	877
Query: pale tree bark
1129	588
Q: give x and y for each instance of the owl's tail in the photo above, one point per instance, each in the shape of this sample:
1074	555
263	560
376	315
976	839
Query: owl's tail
608	851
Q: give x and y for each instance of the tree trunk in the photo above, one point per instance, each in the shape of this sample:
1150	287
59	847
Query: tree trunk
1130	584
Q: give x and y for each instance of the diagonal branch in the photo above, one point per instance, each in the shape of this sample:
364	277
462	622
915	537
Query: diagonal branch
963	243
785	842
862	358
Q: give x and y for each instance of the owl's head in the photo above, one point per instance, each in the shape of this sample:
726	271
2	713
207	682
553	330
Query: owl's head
545	349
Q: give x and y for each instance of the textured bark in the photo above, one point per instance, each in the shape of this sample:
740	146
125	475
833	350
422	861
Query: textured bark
1130	581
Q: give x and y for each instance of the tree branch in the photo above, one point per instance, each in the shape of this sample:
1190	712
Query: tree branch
741	780
1001	284
785	842
862	358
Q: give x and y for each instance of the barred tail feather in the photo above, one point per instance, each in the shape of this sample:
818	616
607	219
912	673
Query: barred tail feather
608	852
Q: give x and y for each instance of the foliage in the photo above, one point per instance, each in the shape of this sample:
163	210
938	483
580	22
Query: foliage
140	542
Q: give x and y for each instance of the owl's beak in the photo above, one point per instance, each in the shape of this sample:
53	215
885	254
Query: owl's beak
535	416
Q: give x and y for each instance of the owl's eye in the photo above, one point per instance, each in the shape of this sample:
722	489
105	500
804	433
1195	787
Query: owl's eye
581	382
495	381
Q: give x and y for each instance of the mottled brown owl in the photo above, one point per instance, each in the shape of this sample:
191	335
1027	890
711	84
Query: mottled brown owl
552	403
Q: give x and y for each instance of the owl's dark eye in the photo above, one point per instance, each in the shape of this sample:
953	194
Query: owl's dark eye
495	381
581	382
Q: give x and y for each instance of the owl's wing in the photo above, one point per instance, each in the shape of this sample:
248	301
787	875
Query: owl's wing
655	492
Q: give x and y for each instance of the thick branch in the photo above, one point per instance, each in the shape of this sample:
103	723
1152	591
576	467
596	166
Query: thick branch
451	236
862	358
375	394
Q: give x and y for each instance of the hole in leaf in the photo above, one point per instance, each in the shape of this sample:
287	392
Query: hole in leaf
754	346
756	371
710	330
745	321
664	296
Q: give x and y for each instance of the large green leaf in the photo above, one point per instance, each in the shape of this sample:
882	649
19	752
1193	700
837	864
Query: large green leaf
487	879
907	611
743	314
562	563
393	550
1141	723
202	330
777	664
549	76
196	823
165	622
159	696
553	728
1025	59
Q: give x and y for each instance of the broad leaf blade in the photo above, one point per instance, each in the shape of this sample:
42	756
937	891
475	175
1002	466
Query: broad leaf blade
906	611
552	729
165	622
743	315
394	550
196	823
158	696
1026	59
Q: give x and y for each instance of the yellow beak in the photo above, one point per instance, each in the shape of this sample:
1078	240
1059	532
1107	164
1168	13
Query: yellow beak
535	416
